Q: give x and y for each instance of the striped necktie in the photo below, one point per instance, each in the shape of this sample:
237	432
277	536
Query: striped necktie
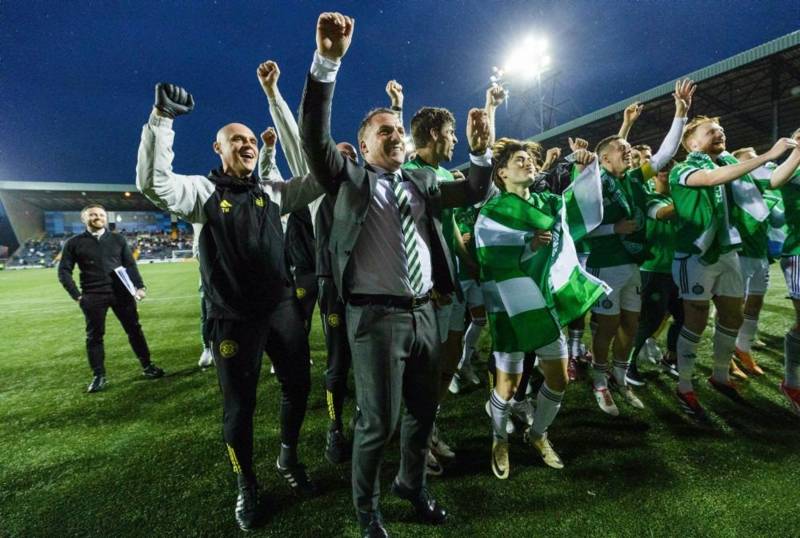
409	234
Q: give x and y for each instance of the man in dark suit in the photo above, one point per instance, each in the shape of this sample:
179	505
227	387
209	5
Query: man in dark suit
389	262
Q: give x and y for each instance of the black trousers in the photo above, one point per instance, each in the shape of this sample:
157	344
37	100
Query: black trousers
238	347
306	290
659	296
332	312
95	306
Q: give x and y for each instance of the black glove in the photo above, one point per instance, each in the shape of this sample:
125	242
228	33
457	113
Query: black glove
172	100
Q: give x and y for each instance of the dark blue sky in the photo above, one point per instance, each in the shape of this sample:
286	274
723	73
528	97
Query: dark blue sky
76	78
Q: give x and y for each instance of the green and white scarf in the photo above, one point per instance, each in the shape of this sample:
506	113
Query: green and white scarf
530	296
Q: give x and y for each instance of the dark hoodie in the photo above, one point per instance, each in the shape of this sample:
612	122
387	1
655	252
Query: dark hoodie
242	259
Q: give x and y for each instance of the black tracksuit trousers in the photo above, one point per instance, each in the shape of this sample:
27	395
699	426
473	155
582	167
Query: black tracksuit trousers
238	347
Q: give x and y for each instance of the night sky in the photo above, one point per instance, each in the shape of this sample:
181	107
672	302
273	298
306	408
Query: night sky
77	77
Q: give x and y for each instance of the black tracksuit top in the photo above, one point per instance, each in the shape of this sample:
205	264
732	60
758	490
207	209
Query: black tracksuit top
242	260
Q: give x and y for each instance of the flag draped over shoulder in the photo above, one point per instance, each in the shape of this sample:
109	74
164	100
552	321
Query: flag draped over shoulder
530	296
747	196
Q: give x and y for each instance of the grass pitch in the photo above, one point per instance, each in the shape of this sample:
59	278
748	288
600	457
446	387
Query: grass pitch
145	458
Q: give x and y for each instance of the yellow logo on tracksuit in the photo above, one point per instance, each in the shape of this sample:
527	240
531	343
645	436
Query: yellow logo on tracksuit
228	348
225	206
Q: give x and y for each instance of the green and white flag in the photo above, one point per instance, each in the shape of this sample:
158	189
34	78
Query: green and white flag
746	194
531	295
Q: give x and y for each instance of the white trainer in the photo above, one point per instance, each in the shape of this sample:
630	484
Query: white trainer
206	358
455	384
604	401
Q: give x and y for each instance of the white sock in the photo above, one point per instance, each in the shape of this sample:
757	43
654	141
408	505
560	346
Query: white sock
619	371
471	337
724	344
548	402
747	333
599	375
574	342
791	348
500	409
687	354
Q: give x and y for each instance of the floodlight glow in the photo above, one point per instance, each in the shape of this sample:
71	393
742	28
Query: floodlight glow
528	60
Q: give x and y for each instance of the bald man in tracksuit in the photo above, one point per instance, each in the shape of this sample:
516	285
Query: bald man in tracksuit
246	280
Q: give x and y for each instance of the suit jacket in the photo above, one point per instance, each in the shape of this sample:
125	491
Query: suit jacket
354	186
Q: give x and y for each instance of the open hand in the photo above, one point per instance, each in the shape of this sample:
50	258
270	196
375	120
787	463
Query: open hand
684	90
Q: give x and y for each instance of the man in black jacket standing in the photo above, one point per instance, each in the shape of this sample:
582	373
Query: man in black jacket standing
104	259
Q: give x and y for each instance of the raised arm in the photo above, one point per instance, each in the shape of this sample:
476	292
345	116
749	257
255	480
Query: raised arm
684	90
334	34
726	174
788	168
267	167
495	95
395	92
629	117
288	132
179	194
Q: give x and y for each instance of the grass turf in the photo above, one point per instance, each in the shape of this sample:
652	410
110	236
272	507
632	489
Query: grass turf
145	458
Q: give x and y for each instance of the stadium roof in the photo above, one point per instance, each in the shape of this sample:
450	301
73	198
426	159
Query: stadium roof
60	196
756	93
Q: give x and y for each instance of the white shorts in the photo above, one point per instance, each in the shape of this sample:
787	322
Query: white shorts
755	275
791	272
450	317
511	363
699	282
626	287
473	294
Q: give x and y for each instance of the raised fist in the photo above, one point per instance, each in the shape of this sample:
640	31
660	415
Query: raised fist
268	75
334	34
478	131
269	137
173	101
552	155
577	143
583	157
395	92
495	95
632	112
